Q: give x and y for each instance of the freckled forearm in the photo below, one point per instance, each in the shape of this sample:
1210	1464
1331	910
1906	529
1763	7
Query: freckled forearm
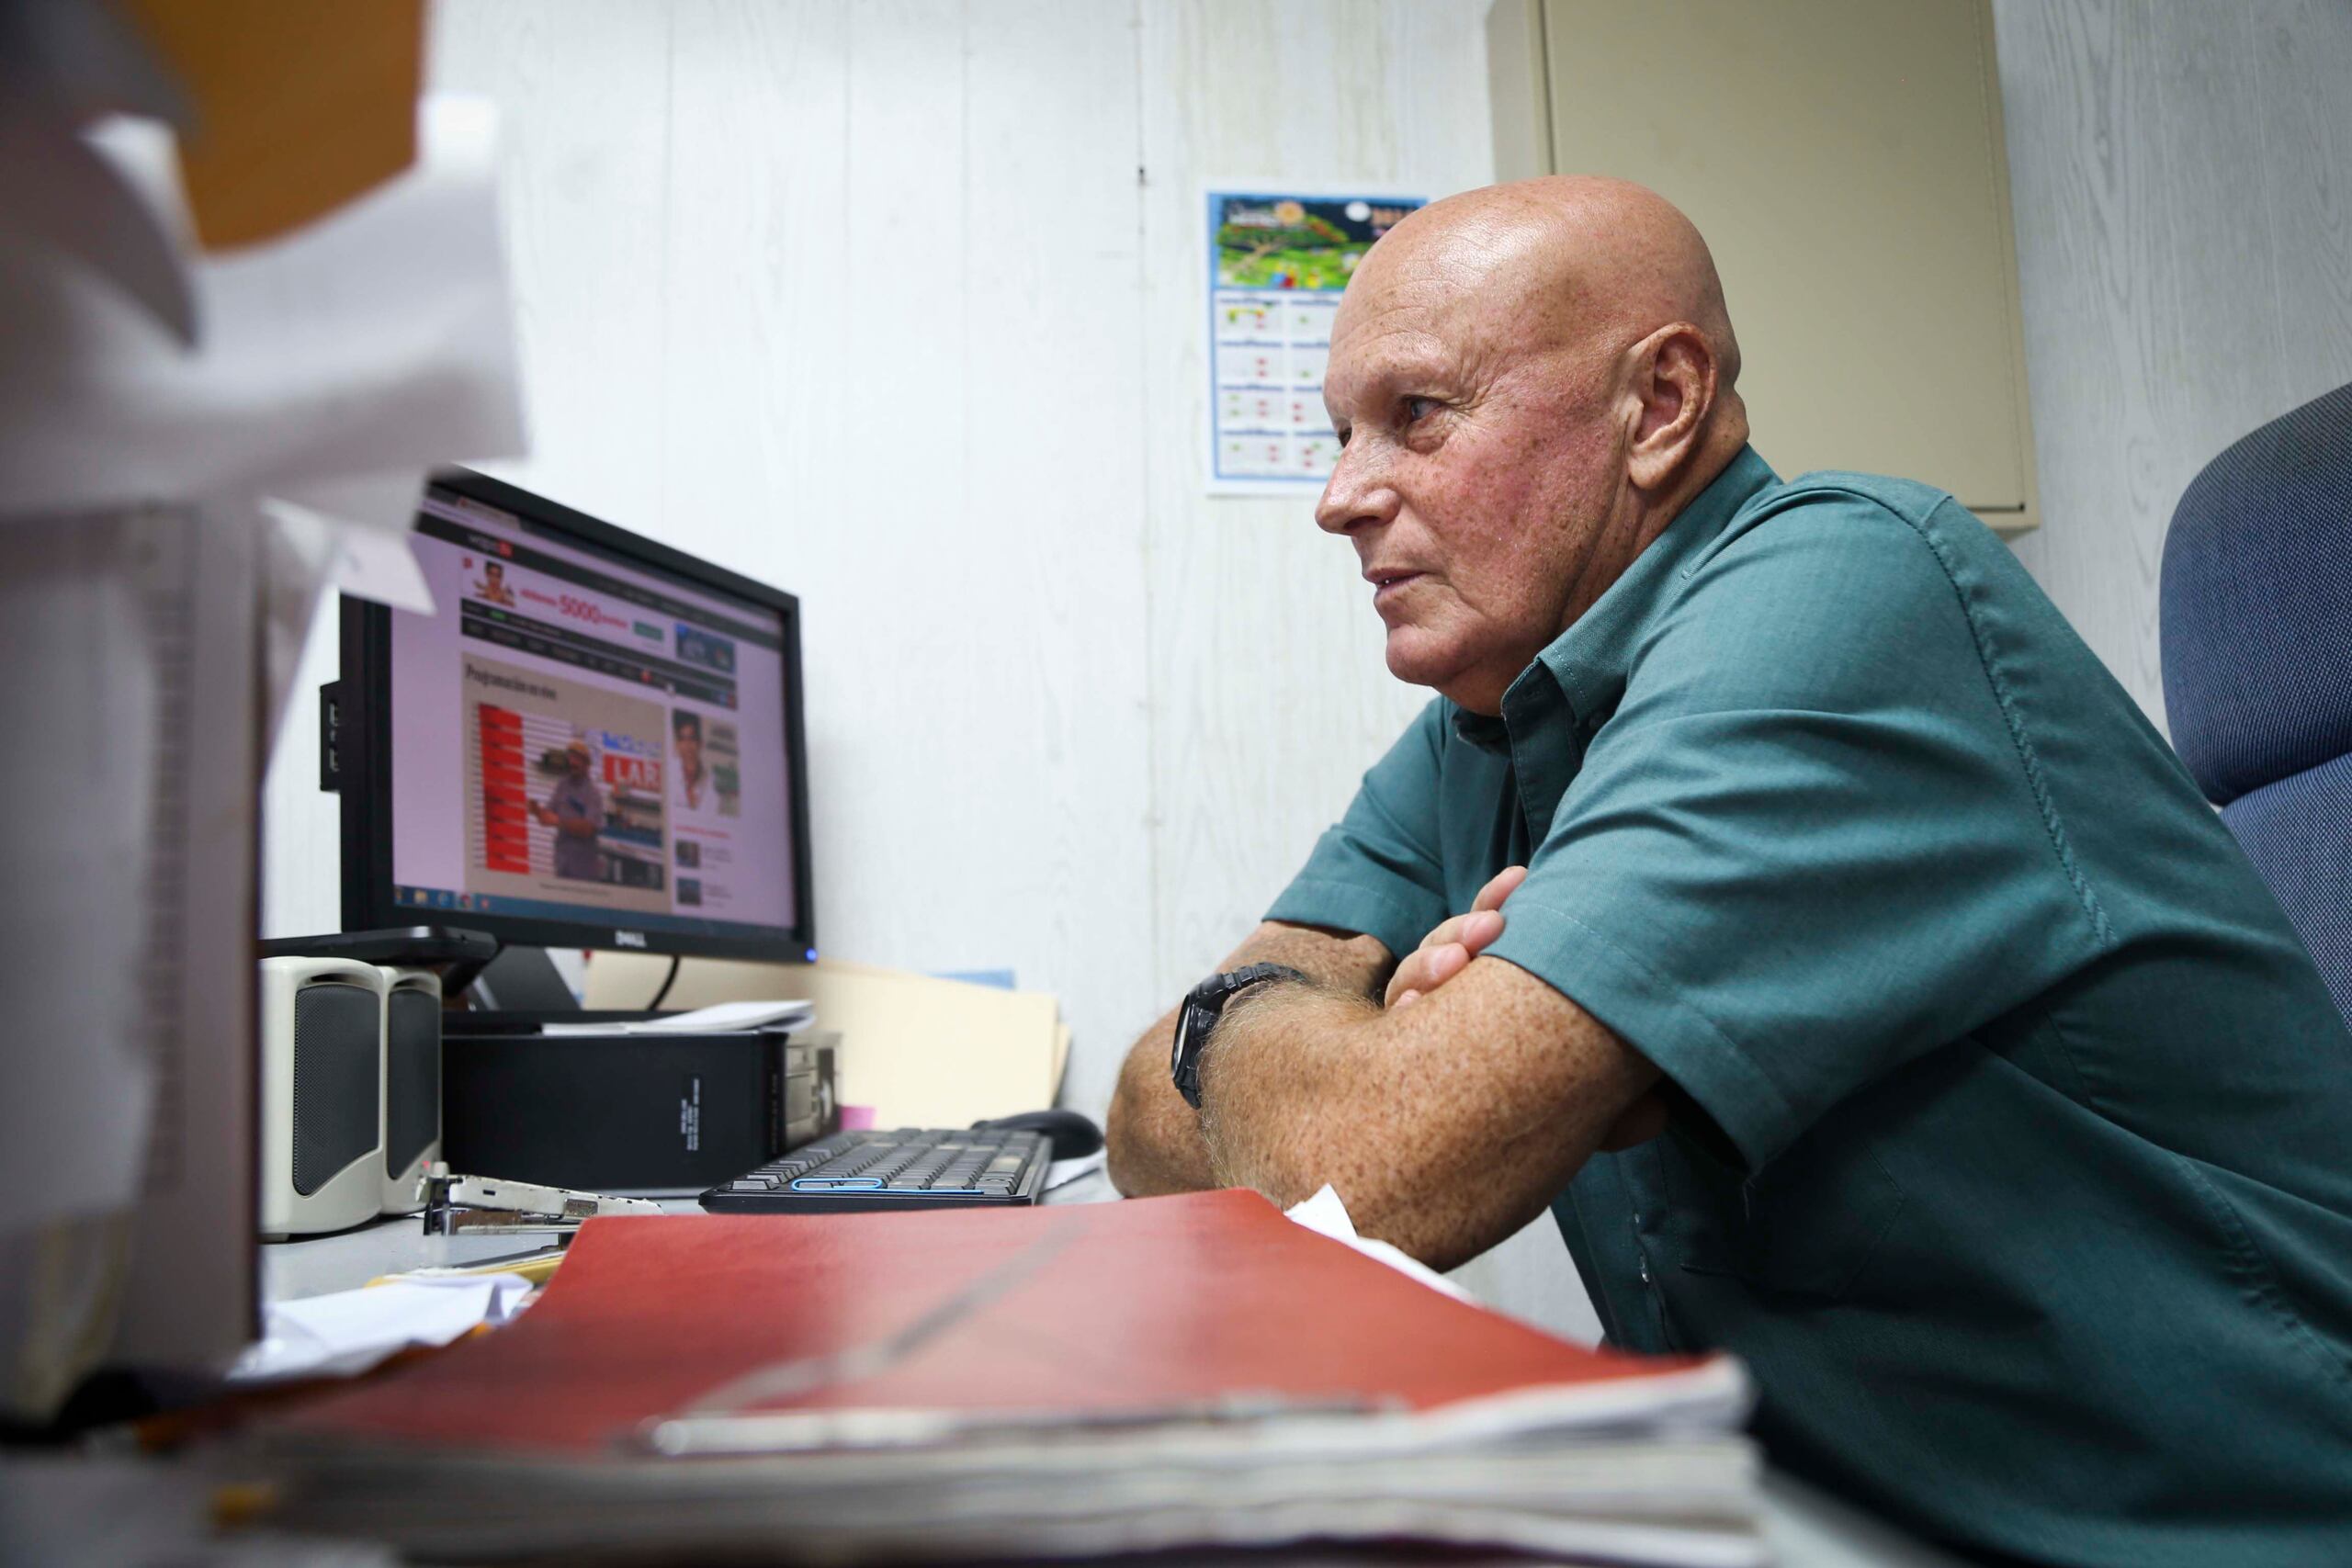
1288	1087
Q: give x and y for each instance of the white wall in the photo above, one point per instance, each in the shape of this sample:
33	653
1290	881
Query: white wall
896	305
2182	178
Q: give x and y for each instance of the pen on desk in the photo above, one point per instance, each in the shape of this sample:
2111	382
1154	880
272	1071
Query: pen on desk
537	1267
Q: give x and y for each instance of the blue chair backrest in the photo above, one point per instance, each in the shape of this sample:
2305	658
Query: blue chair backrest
2258	661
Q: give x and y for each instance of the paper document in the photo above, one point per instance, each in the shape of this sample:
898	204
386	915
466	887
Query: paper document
788	1014
1325	1214
726	1018
1062	1172
350	1331
379	338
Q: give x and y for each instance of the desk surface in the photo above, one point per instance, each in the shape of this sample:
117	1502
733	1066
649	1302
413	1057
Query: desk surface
1807	1527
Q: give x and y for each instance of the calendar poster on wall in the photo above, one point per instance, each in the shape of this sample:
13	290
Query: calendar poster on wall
1278	263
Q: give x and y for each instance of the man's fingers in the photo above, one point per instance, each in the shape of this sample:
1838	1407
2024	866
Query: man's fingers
1434	967
1445	930
1426	970
1499	886
1448	949
1472	931
1450	946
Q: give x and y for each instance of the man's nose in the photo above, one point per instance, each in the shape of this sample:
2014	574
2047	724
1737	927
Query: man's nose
1357	494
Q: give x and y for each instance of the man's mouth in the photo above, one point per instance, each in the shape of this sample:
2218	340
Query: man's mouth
1387	584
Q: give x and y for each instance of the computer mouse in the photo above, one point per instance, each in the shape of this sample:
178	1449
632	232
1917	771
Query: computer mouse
1069	1135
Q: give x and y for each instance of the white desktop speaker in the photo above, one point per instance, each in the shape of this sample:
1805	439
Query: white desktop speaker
322	1094
412	1085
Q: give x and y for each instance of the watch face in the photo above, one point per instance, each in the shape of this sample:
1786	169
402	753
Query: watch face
1183	1033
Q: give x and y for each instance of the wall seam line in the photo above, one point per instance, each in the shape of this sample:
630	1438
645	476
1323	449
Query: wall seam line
1154	825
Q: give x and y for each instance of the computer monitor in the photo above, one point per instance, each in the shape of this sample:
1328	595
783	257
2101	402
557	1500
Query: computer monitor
595	741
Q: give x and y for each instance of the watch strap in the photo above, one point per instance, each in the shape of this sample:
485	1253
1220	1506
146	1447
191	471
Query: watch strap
1203	1006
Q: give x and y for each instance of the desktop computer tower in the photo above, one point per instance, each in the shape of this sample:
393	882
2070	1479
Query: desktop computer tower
322	1094
618	1113
411	1093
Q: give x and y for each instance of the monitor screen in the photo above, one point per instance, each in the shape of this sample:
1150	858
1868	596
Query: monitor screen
588	734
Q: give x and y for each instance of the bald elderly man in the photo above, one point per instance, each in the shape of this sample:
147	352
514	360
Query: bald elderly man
1788	900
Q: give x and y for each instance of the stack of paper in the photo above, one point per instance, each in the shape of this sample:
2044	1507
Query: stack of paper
1171	1372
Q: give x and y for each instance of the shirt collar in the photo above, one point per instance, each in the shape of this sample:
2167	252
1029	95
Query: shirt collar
1586	663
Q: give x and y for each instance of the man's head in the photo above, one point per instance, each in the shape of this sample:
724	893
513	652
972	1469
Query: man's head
576	757
492	573
1530	380
686	729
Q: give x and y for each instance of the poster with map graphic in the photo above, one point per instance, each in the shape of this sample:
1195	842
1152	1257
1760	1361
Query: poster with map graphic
1277	266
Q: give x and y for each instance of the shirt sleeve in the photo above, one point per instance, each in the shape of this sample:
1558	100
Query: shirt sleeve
1810	844
1377	872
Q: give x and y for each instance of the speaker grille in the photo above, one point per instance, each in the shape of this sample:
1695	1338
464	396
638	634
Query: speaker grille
412	1075
336	1038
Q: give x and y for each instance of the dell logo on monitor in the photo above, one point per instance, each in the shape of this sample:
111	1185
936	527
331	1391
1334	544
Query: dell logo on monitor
628	939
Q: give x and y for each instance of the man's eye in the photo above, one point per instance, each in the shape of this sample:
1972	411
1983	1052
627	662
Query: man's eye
1419	409
1343	433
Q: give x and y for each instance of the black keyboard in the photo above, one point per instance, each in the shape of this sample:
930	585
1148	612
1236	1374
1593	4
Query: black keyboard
866	1171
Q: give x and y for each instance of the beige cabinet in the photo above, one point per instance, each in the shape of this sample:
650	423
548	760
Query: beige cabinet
1844	159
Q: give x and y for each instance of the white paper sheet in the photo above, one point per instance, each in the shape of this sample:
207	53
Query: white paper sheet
1062	1172
717	1019
60	185
350	1331
1325	1214
369	563
379	339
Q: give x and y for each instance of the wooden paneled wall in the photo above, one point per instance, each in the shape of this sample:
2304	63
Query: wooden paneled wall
897	304
2182	179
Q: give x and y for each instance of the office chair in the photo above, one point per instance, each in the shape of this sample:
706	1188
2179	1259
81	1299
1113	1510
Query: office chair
2257	641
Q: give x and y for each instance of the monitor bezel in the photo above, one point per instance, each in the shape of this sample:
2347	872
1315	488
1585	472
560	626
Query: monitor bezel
365	763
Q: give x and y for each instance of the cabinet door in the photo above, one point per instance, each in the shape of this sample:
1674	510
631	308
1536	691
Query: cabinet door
1844	159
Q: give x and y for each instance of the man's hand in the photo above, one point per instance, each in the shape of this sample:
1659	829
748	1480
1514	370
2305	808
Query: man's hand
1447	951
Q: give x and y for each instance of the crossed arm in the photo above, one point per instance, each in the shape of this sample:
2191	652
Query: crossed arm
1447	1098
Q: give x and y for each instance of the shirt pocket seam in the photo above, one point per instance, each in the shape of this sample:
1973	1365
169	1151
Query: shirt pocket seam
2083	1093
2256	1278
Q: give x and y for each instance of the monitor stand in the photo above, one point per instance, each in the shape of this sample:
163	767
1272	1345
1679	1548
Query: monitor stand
524	980
520	990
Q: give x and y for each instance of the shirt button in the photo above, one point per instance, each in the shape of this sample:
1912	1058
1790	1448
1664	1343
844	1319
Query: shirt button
1644	1264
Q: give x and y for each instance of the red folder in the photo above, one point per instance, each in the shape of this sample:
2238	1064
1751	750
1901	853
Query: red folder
1083	1310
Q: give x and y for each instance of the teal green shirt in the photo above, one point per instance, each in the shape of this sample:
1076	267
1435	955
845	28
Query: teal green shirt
2013	1139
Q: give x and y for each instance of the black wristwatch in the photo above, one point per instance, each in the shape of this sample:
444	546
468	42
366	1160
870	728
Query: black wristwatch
1203	1007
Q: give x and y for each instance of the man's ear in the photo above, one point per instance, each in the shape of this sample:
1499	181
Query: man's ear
1673	387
